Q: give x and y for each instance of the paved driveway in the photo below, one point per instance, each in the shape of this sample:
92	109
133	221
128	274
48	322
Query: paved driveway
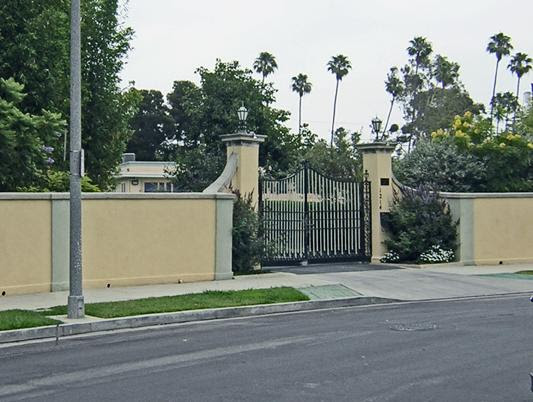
419	284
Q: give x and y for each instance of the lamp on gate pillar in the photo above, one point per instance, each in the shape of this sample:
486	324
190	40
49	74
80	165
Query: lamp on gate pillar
376	127
243	115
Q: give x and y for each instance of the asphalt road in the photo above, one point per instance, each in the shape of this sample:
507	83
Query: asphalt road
468	350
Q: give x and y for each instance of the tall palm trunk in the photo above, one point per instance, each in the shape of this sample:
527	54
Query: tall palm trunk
300	115
494	89
413	114
517	97
388	115
334	109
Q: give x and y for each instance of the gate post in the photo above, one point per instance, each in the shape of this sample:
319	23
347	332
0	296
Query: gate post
246	177
377	162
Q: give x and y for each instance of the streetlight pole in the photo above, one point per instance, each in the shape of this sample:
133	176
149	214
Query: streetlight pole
76	307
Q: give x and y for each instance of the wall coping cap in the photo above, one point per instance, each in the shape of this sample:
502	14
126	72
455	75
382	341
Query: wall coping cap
243	138
376	147
120	196
484	195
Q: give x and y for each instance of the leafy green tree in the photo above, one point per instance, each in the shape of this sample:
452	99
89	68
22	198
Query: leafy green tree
525	126
499	45
106	110
203	113
436	107
24	138
185	102
340	160
432	93
507	157
520	65
265	65
301	86
395	87
152	126
339	66
504	105
34	43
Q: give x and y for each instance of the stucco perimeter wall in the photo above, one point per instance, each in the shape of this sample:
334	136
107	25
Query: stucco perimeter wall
494	228
25	252
128	239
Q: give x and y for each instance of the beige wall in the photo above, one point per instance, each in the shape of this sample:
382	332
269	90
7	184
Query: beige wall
493	227
128	239
131	242
25	252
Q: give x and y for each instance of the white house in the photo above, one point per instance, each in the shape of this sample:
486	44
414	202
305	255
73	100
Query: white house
144	176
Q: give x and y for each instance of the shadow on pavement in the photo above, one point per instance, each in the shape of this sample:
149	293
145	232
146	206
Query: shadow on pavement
330	268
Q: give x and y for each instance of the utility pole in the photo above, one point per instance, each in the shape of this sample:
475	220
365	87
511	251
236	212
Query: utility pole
76	306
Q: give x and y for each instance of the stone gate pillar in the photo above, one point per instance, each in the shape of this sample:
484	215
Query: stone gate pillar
377	162
246	147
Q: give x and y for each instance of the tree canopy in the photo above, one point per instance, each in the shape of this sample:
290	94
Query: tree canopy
34	44
25	150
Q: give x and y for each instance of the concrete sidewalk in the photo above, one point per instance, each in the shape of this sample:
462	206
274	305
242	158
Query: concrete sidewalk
435	282
261	281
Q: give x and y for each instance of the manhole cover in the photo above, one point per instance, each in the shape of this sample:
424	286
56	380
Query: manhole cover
417	326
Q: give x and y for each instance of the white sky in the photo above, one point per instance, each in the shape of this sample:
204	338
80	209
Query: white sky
174	37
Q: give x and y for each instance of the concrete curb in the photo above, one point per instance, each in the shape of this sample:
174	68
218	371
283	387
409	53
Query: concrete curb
64	330
438	265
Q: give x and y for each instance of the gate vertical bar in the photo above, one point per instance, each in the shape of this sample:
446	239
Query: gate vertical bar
306	210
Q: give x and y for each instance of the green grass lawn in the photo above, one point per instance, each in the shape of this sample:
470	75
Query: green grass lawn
167	304
17	319
524	272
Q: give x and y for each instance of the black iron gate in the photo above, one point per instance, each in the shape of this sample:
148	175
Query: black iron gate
311	217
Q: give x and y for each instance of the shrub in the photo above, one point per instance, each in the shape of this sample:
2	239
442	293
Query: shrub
418	221
471	157
247	243
390	256
441	165
436	254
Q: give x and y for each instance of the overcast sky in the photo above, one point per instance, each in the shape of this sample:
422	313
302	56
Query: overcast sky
174	37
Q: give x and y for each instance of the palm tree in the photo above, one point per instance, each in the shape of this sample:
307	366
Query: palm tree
500	45
339	66
394	86
265	64
520	65
445	72
420	49
301	86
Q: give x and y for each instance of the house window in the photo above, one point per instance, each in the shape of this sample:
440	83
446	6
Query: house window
123	187
158	187
150	187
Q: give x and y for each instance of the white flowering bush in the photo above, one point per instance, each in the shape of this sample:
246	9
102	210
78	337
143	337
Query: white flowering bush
436	254
391	256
